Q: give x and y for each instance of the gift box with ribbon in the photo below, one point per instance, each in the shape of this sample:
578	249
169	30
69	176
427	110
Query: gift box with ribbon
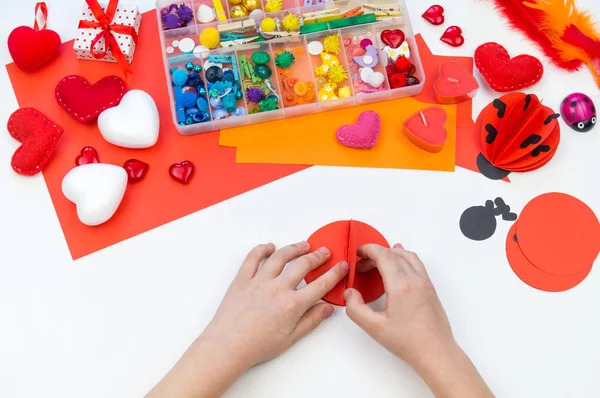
108	33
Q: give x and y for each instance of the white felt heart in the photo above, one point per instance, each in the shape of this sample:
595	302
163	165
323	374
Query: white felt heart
374	79
96	189
134	123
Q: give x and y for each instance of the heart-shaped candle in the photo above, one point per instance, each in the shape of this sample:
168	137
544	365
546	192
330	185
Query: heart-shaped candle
435	15
426	129
136	170
392	38
182	172
363	134
455	84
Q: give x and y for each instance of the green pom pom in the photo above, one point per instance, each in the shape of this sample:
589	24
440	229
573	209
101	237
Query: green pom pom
269	104
285	59
260	57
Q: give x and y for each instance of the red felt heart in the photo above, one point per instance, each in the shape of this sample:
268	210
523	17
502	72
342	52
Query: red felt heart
392	38
88	155
30	49
136	169
435	15
39	136
506	74
85	102
182	172
453	36
426	129
455	84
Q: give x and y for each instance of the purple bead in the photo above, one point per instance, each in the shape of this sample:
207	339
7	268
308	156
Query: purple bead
366	42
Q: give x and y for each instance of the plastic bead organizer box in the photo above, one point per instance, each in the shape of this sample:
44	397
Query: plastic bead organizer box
251	64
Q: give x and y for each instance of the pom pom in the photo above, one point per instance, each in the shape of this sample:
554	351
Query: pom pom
397	80
269	104
337	73
273	5
268	24
402	64
285	59
255	95
390	69
331	44
290	22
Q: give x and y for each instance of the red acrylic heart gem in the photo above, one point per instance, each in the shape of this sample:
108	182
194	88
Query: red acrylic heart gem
30	49
392	38
39	136
84	101
88	155
435	15
136	169
453	36
182	172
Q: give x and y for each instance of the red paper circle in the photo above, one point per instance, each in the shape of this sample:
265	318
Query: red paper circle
336	237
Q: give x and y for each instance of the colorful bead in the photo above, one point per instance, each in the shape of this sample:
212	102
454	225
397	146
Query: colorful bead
202	104
239	95
194	79
260	57
219	114
201	91
263	71
214	74
172	70
189	66
180	77
197	68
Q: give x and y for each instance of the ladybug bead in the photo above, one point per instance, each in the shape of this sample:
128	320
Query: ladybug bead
579	112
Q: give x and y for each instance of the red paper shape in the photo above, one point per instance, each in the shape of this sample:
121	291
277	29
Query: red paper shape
39	136
393	38
88	155
426	129
504	73
518	133
455	84
453	36
136	170
435	15
531	274
342	238
182	172
85	102
559	234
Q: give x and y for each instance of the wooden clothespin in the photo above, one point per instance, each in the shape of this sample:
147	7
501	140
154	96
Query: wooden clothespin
329	14
353	12
239	41
237	27
384	10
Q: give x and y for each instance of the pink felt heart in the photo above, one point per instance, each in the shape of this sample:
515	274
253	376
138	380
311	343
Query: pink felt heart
363	134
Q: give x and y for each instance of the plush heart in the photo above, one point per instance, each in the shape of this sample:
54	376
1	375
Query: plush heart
372	78
136	169
85	102
426	129
453	36
39	136
363	134
392	38
455	84
31	49
96	189
88	155
134	123
503	73
435	15
182	172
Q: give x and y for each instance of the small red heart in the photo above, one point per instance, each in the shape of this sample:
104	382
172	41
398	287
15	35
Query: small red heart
455	84
39	136
30	49
453	36
426	129
88	155
85	102
393	38
504	73
435	15
136	170
182	172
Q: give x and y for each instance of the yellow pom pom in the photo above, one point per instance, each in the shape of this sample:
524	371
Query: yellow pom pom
290	22
209	38
268	25
344	92
273	5
337	73
331	44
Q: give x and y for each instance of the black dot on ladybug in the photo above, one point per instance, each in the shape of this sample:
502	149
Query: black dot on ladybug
593	109
573	104
527	102
586	100
478	222
565	100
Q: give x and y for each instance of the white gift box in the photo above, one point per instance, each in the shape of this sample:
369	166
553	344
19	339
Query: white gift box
127	15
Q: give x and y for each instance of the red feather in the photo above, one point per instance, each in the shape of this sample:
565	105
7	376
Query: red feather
527	20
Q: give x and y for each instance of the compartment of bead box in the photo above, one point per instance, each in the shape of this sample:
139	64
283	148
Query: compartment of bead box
263	69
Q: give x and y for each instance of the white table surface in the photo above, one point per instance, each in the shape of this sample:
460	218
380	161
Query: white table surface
112	323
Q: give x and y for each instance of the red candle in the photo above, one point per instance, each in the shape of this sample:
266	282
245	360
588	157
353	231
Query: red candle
455	84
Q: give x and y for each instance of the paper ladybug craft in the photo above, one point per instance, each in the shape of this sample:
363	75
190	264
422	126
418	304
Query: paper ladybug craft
516	133
32	48
579	112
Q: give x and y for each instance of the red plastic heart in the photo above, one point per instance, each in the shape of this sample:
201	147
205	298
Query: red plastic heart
39	136
88	155
435	15
136	169
504	73
182	172
393	38
30	49
453	36
84	101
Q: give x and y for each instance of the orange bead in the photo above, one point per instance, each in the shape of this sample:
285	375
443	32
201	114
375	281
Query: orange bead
286	72
300	101
300	88
309	96
289	99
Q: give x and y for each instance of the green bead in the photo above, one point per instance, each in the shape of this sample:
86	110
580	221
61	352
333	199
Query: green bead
260	57
197	68
285	59
189	66
238	95
262	71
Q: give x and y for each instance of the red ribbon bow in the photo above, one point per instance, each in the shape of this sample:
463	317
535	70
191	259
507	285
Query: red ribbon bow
108	29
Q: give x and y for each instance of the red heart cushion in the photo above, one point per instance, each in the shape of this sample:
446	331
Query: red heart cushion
85	102
30	49
506	74
39	136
